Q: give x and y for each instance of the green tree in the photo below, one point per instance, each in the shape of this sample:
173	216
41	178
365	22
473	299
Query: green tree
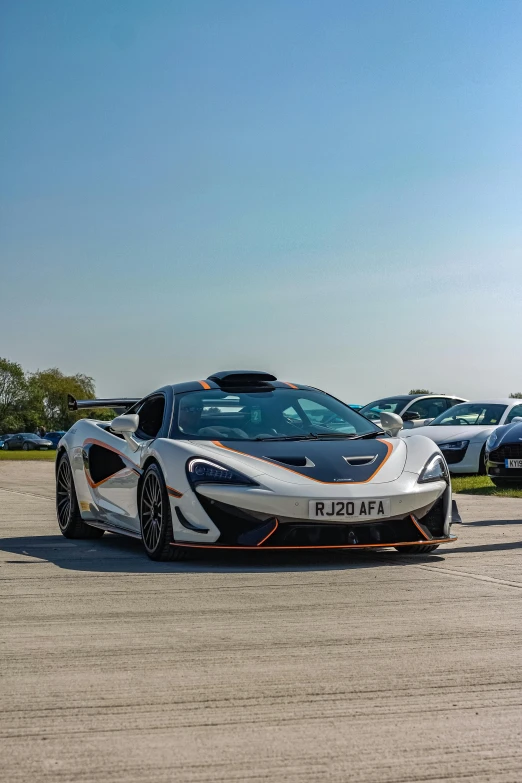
420	391
13	395
516	395
48	390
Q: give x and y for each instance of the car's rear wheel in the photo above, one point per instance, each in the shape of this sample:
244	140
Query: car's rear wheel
26	447
67	510
155	517
417	549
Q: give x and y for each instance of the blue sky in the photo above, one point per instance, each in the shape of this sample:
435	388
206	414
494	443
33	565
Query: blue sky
329	190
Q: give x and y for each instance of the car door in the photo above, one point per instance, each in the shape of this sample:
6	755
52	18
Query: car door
16	442
114	466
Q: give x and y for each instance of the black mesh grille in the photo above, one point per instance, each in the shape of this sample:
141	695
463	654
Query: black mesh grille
509	451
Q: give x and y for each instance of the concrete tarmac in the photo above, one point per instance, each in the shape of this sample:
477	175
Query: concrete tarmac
370	667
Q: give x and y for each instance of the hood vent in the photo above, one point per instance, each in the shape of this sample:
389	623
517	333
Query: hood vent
362	460
294	462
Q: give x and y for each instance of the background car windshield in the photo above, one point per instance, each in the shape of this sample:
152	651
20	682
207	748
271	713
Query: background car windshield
277	413
373	410
29	436
470	414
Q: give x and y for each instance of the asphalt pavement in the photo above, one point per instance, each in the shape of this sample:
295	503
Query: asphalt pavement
368	667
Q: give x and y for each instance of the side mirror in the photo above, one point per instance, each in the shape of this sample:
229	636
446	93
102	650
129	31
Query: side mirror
516	420
126	425
410	416
391	423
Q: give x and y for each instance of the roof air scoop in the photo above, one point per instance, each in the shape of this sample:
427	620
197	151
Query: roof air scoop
241	378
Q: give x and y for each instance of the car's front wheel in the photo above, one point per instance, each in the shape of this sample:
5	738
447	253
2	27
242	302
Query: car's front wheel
67	510
417	549
155	517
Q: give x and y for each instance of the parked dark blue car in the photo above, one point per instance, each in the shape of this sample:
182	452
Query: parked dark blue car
54	437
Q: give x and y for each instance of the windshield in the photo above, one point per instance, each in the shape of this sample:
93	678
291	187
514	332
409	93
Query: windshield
373	410
470	414
275	413
29	436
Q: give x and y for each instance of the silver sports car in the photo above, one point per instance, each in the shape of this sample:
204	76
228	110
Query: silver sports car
244	461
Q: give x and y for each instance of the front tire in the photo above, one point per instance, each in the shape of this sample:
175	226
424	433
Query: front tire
156	519
417	549
70	521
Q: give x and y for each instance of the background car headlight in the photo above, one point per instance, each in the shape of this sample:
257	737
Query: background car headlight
434	470
491	441
206	471
454	445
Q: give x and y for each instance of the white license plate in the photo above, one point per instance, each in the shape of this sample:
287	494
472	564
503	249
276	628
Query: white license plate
348	509
513	463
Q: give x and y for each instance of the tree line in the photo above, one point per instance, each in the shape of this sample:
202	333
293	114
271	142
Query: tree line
513	395
29	400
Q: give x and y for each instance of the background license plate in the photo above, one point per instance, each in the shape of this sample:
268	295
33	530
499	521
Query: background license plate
513	463
349	509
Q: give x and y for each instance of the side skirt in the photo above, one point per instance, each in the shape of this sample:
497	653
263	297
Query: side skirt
113	529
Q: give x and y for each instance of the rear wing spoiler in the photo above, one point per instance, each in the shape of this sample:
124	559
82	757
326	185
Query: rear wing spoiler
121	402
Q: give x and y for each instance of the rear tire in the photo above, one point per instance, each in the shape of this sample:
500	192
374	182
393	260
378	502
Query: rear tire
417	549
155	518
25	447
70	521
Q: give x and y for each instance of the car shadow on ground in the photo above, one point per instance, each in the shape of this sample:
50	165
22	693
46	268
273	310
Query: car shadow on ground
119	554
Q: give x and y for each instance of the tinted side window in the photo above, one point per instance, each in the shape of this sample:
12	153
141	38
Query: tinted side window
429	408
516	411
151	417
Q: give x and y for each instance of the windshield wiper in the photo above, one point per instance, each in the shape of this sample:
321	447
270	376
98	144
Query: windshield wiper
323	435
368	435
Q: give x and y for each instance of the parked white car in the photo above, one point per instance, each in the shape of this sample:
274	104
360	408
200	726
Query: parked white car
461	432
414	409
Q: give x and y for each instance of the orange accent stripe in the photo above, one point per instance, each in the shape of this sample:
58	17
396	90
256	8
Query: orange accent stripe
204	384
419	528
111	448
98	483
292	386
337	483
271	532
308	546
174	492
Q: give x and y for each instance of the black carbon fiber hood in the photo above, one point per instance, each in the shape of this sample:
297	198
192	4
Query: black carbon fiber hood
322	460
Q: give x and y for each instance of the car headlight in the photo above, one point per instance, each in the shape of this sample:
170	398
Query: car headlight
454	445
434	470
206	471
491	441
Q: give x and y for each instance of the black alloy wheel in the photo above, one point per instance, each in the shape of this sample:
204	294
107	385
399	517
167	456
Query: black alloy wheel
67	510
155	517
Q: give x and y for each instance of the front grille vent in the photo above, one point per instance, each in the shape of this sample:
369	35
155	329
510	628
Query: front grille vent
509	451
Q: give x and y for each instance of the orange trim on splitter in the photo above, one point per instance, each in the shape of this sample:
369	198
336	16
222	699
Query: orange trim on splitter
292	385
257	548
204	384
282	467
271	533
421	531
